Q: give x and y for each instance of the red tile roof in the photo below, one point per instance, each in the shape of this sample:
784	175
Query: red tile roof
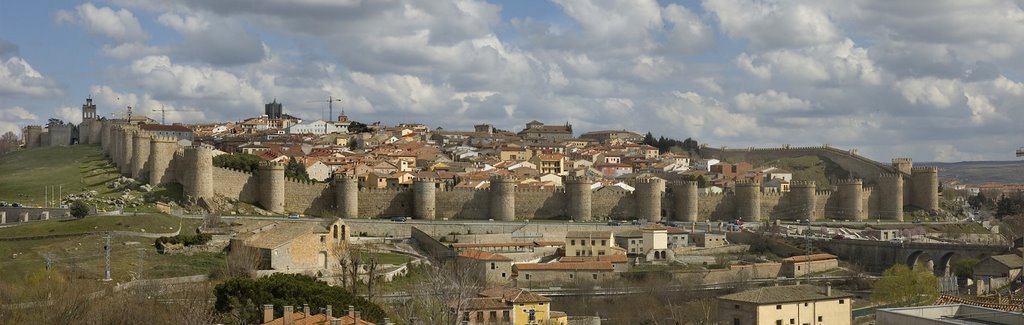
581	266
483	256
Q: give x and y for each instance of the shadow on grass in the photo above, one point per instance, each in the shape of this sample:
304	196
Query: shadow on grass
170	190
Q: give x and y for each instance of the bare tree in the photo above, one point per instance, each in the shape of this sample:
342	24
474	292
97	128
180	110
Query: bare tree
442	297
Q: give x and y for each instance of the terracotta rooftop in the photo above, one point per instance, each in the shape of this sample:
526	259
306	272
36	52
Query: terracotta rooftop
509	244
482	255
600	258
783	294
581	266
812	257
588	234
318	319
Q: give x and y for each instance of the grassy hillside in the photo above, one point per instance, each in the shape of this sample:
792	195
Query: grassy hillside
155	223
813	168
27	173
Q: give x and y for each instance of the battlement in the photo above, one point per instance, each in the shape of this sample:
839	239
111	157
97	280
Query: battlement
928	169
503	179
801	183
683	183
60	126
746	183
850	181
35	127
771	193
889	176
199	147
163	139
344	178
578	179
823	193
424	180
143	135
234	170
271	165
383	190
902	161
301	181
648	180
539	190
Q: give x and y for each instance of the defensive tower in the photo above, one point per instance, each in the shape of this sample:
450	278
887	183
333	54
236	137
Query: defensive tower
271	175
346	196
648	198
198	172
890	196
851	199
925	187
424	191
580	197
127	144
903	165
748	200
803	199
60	134
161	153
503	198
685	197
140	155
32	136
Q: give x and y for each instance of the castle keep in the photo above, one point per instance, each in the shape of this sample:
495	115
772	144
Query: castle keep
877	191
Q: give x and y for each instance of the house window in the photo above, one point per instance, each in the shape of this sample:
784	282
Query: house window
792	320
604	242
465	316
735	321
479	316
492	266
595	276
593	242
570	275
805	304
527	276
572	242
323	239
778	322
841	301
505	316
736	306
493	316
778	306
503	274
541	304
819	318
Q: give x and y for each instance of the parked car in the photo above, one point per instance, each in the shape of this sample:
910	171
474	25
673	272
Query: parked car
294	216
16	205
3	204
614	222
636	222
805	221
399	218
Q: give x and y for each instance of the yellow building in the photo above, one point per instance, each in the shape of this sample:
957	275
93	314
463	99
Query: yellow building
513	306
786	305
549	163
591	243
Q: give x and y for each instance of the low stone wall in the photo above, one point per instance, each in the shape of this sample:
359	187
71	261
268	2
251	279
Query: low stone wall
12	215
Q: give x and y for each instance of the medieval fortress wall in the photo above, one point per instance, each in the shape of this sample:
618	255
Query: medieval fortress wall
877	191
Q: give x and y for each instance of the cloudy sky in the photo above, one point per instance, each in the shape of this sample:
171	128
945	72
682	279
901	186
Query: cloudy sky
933	80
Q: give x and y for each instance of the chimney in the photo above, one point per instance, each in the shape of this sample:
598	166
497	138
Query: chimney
268	313
828	290
358	314
351	311
329	312
288	315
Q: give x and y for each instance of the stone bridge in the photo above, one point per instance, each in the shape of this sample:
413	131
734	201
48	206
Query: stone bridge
876	256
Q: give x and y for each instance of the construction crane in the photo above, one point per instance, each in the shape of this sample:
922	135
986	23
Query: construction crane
330	105
163	113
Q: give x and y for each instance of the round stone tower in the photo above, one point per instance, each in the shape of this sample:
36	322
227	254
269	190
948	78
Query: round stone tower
748	200
271	175
925	187
32	136
580	197
503	198
140	155
115	144
685	196
161	152
84	131
104	137
802	194
648	198
127	144
890	196
851	199
424	198
903	165
346	196
93	129
198	169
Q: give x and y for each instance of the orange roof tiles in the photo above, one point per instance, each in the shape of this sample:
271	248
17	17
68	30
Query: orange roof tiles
581	266
483	256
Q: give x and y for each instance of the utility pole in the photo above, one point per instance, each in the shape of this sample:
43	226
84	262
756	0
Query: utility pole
106	273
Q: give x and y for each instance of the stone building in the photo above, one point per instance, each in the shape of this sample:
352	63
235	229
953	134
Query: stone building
293	246
591	243
797	266
532	274
999	266
513	306
799	304
707	240
493	269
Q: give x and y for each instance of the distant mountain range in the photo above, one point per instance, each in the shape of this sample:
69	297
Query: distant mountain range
977	172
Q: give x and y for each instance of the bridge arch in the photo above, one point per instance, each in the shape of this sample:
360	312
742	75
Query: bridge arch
920	259
945	265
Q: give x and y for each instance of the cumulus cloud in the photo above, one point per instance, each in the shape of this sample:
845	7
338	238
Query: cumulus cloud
773	24
770	101
19	79
11	119
118	24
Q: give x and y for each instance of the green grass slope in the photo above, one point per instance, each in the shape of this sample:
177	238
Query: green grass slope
822	171
25	174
